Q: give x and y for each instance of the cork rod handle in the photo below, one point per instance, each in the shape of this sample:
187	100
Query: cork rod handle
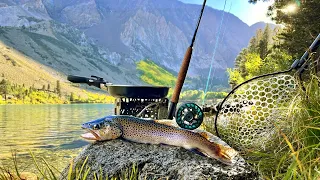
182	75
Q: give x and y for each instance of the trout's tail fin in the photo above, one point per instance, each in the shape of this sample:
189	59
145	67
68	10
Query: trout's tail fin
227	152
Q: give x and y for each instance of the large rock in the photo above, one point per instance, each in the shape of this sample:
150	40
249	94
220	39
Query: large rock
157	162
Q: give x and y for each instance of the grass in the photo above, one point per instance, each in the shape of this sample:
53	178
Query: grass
297	155
79	171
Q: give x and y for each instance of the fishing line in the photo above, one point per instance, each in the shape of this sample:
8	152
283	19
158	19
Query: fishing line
224	32
214	51
227	19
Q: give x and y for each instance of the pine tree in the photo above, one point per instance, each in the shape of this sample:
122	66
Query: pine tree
240	62
58	88
253	44
48	87
255	41
300	26
30	90
5	88
264	42
72	97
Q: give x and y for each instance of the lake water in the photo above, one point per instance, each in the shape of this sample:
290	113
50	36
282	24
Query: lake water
49	131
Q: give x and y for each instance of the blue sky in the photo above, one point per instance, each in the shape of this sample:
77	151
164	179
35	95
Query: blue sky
248	13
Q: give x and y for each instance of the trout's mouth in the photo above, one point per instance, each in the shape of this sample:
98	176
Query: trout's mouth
91	135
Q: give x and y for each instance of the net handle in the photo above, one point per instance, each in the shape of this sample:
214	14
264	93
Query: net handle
298	64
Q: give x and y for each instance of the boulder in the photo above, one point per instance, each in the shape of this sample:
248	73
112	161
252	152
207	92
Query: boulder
111	158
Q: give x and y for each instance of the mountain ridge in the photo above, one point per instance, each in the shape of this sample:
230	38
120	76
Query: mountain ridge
64	49
127	31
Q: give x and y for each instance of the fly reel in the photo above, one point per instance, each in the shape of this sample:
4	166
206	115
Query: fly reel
189	116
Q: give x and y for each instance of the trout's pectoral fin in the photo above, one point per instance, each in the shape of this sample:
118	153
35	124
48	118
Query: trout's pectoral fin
197	151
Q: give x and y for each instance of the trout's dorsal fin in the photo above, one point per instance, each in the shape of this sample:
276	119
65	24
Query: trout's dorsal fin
205	135
166	122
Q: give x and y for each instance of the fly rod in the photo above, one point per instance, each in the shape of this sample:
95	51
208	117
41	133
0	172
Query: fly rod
183	70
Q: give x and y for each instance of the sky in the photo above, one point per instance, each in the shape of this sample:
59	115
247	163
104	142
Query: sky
248	13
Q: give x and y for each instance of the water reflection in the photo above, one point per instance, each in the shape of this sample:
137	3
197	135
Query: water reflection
50	131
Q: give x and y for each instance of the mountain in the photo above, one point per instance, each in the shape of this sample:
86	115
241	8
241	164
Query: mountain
65	50
261	25
22	70
19	13
120	33
160	30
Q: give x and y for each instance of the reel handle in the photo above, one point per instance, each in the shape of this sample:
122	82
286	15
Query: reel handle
78	79
93	81
314	46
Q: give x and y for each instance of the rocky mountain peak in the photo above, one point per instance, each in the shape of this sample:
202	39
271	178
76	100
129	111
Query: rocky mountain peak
35	6
22	12
82	15
128	31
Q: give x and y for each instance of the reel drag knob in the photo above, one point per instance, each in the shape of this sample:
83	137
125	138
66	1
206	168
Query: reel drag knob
189	116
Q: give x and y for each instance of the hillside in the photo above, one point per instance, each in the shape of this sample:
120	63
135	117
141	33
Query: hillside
157	75
104	35
29	82
64	49
153	74
20	69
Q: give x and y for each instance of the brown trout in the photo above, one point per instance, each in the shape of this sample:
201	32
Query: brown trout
151	132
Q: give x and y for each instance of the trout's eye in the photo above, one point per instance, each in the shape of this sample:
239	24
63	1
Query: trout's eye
96	126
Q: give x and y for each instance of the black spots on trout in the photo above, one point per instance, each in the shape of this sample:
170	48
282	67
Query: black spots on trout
140	126
116	131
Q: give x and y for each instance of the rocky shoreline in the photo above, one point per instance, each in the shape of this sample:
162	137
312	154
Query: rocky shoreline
156	162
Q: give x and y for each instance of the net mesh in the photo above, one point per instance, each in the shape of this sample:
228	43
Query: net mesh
248	116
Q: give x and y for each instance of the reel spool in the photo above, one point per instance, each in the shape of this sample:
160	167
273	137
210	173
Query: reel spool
189	116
